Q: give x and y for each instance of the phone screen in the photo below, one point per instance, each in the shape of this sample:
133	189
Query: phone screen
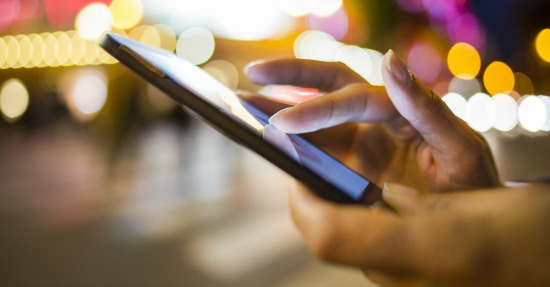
201	84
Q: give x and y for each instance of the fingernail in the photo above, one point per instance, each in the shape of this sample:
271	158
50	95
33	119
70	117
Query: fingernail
273	119
397	67
252	64
399	190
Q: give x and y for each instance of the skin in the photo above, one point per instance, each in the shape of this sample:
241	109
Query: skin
451	221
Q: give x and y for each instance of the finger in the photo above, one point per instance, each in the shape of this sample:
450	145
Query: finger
353	103
403	200
359	236
325	76
264	104
422	108
455	148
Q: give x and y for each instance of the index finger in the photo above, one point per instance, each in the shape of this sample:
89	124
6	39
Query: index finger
325	76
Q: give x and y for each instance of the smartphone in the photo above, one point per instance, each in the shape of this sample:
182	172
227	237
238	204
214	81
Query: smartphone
222	108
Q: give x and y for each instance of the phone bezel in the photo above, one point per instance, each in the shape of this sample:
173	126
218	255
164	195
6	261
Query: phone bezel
227	125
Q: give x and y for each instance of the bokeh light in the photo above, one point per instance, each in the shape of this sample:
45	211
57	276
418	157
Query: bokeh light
503	112
14	51
78	45
457	103
498	78
168	38
84	92
477	112
225	72
336	25
316	45
64	46
10	12
542	45
146	34
60	48
411	6
38	50
357	59
324	7
126	13
425	61
294	8
532	113
14	99
3	53
52	49
523	84
298	8
467	29
375	77
196	45
546	101
25	50
466	88
464	61
94	20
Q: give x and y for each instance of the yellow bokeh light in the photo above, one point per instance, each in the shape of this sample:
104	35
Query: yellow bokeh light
52	49
65	48
464	61
542	44
498	78
13	51
14	99
126	13
92	53
196	45
25	50
78	48
151	37
38	50
168	38
3	53
61	48
523	85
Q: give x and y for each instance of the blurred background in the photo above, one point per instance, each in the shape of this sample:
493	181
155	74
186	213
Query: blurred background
104	181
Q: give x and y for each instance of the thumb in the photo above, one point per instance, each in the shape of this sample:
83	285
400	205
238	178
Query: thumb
403	200
421	107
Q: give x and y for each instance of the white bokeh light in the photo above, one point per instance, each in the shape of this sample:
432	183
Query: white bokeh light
316	45
90	94
84	91
532	113
546	101
196	45
503	112
477	112
324	7
457	103
246	20
375	77
93	20
357	59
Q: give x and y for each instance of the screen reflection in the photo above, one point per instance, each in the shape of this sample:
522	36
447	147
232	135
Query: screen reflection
201	84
